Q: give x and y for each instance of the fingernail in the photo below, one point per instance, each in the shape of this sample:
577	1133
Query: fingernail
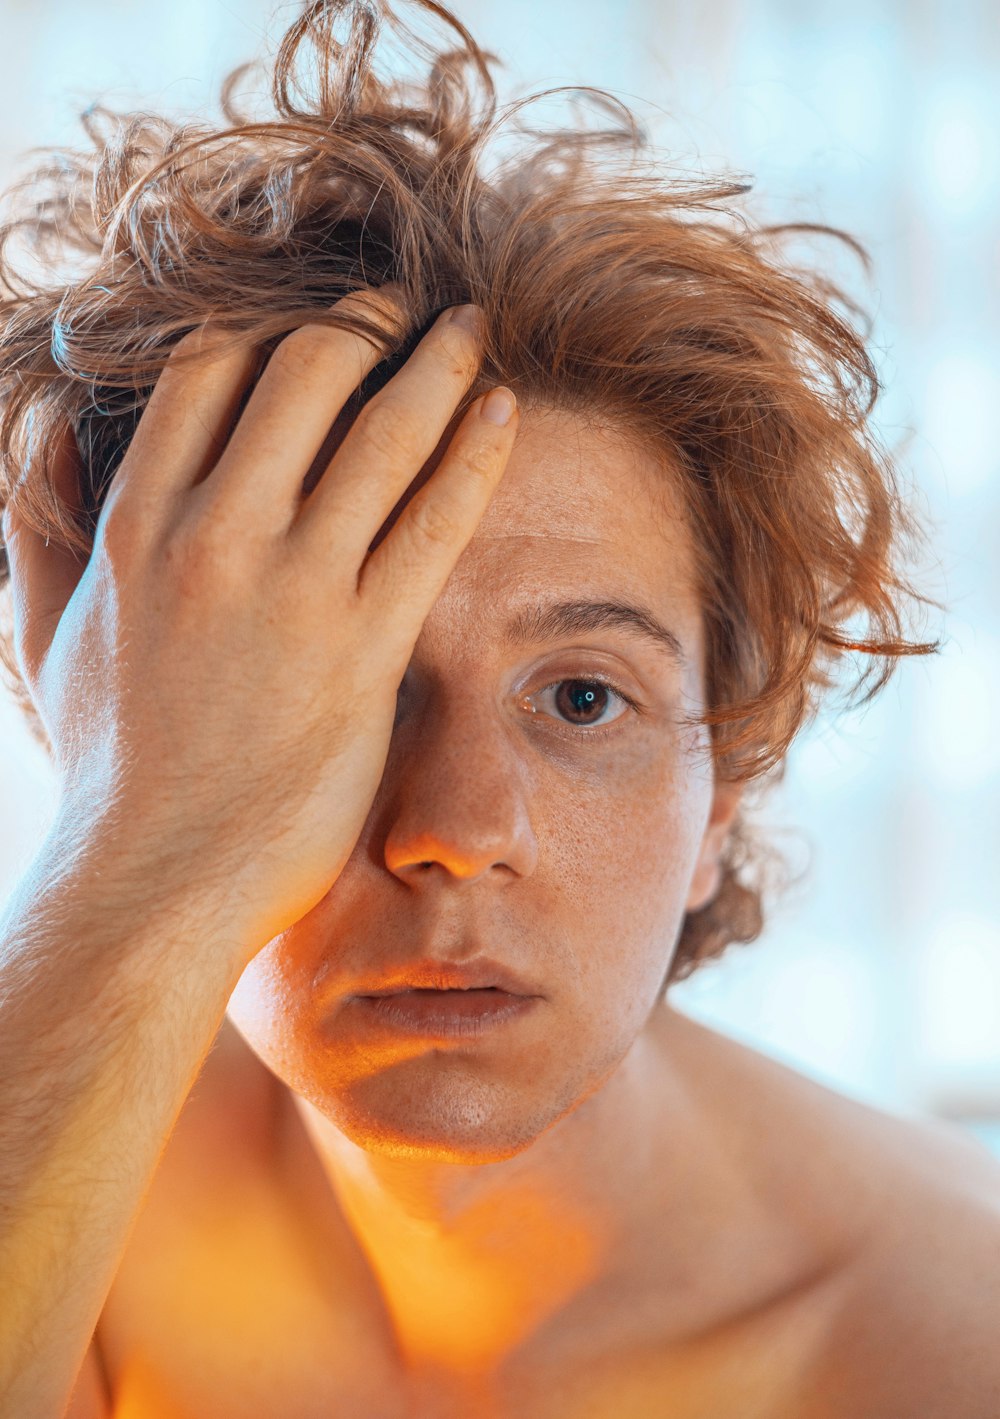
466	316
498	406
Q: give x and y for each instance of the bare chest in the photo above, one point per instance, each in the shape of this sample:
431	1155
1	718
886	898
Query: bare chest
238	1298
222	1307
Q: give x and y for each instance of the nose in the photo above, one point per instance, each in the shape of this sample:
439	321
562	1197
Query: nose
457	795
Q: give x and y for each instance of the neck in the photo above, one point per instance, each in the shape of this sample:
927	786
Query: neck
478	1264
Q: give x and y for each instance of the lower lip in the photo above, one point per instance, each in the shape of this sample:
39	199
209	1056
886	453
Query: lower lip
457	1013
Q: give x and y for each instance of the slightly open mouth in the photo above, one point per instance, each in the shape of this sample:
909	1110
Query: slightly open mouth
448	990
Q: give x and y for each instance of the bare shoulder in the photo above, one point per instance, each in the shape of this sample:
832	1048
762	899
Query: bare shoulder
920	1317
913	1206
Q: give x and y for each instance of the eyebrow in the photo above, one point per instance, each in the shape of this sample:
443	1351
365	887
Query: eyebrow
567	618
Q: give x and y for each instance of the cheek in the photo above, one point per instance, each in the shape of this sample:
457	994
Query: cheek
641	812
625	843
263	1005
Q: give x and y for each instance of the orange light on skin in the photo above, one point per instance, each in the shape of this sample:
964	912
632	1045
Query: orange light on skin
463	1328
245	1307
141	1394
239	1309
464	1294
213	1267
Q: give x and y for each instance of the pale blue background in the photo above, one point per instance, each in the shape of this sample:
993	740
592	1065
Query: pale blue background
882	975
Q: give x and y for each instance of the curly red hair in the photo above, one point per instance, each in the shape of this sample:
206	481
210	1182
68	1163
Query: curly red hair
652	302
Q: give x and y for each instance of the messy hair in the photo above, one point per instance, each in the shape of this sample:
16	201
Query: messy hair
648	299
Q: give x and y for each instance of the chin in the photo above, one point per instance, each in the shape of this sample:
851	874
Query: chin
454	1121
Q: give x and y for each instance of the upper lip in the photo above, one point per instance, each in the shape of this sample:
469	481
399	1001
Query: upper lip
425	974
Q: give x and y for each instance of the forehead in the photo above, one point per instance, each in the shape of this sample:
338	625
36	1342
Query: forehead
584	480
585	501
583	510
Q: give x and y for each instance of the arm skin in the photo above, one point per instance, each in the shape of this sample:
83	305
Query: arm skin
105	1021
169	866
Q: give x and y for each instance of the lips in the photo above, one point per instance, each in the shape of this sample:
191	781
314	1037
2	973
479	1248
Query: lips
480	973
435	1015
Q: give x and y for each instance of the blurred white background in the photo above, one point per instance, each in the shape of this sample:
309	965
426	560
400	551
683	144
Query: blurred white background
881	974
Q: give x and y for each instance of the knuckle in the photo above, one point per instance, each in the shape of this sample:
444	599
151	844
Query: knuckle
202	337
204	343
387	299
478	459
386	430
121	527
430	521
384	306
201	551
300	350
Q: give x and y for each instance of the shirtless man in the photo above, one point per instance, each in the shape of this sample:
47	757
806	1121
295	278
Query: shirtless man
587	1205
318	750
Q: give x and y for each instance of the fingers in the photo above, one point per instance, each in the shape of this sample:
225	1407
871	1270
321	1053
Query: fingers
407	572
388	443
308	380
185	437
184	426
181	441
43	575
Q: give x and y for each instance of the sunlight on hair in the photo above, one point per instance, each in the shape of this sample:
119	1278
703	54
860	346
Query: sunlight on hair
716	339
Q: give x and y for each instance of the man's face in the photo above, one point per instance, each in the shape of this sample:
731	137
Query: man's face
568	854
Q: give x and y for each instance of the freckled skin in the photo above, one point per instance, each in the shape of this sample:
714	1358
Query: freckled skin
569	857
603	1208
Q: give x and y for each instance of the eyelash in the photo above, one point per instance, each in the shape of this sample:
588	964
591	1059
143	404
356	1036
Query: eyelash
599	732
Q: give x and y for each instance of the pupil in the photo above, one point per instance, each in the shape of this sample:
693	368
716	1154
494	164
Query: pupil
581	696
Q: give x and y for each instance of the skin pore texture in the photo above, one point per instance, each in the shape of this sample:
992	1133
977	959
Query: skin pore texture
502	1179
602	1208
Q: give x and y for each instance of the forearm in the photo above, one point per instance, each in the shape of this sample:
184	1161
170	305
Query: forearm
105	1022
